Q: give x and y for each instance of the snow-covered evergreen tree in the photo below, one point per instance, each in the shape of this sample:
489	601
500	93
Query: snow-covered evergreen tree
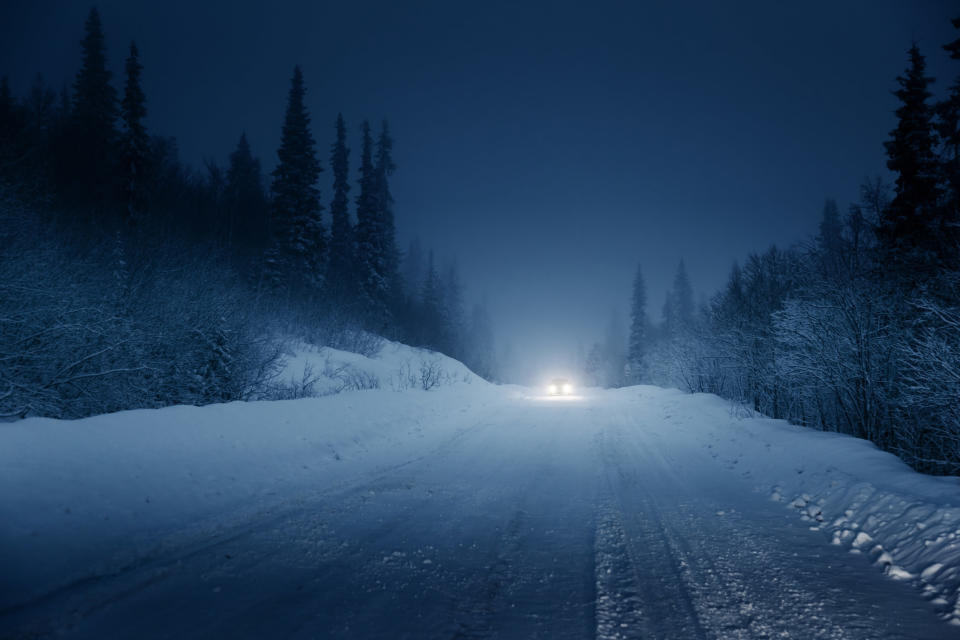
637	343
480	348
433	329
93	130
948	129
911	229
296	256
453	321
340	265
373	249
247	223
134	142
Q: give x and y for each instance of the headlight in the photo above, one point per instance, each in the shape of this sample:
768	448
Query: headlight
552	389
567	389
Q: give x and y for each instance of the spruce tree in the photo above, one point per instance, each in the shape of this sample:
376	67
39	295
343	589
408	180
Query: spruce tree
295	260
384	169
614	351
247	221
371	252
454	322
909	230
340	264
948	128
135	144
433	326
480	352
93	144
668	315
637	342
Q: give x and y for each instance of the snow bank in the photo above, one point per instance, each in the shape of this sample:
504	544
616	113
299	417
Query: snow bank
310	371
74	492
861	498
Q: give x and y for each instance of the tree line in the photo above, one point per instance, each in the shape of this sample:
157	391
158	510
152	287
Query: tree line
131	279
856	331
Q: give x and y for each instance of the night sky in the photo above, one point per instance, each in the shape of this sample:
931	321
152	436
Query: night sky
548	146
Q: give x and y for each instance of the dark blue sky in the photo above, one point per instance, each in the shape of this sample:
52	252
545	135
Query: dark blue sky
548	145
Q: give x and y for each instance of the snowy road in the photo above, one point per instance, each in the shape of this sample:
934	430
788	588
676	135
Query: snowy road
596	517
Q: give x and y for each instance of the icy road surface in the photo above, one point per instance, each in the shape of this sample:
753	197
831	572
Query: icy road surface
602	516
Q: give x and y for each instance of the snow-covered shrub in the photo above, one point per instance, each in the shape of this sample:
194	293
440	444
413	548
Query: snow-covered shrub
350	378
294	389
431	374
204	339
356	340
931	376
85	330
835	355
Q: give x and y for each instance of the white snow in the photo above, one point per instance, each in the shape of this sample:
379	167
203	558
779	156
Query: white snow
86	497
866	500
396	366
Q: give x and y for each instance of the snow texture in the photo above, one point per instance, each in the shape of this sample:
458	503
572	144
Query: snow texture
861	498
92	498
89	497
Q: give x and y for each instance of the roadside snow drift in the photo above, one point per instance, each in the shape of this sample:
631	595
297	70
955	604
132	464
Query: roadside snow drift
94	497
87	497
861	498
312	371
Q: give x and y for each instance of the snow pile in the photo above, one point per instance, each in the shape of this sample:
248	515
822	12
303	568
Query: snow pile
312	371
861	498
88	497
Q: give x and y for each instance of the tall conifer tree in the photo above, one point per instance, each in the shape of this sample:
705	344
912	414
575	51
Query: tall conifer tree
371	252
433	321
246	225
295	261
384	169
909	230
92	169
135	145
637	342
948	128
340	265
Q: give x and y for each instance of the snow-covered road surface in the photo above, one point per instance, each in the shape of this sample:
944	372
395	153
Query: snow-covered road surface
611	515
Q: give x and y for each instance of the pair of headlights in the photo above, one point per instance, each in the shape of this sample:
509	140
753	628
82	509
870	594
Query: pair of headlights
560	389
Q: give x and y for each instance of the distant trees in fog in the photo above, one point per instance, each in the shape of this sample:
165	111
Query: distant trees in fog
638	343
129	279
857	331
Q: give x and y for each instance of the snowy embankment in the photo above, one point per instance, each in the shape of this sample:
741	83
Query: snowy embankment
312	371
85	498
863	499
88	498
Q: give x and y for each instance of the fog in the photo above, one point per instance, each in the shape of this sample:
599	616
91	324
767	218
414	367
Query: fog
438	319
547	152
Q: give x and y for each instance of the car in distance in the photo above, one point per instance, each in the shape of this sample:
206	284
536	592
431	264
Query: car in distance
560	387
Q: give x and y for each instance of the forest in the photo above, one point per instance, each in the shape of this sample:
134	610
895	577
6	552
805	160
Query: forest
856	331
129	279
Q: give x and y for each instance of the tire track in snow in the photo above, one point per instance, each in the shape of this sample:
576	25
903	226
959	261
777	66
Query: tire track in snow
640	590
742	580
619	608
198	546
